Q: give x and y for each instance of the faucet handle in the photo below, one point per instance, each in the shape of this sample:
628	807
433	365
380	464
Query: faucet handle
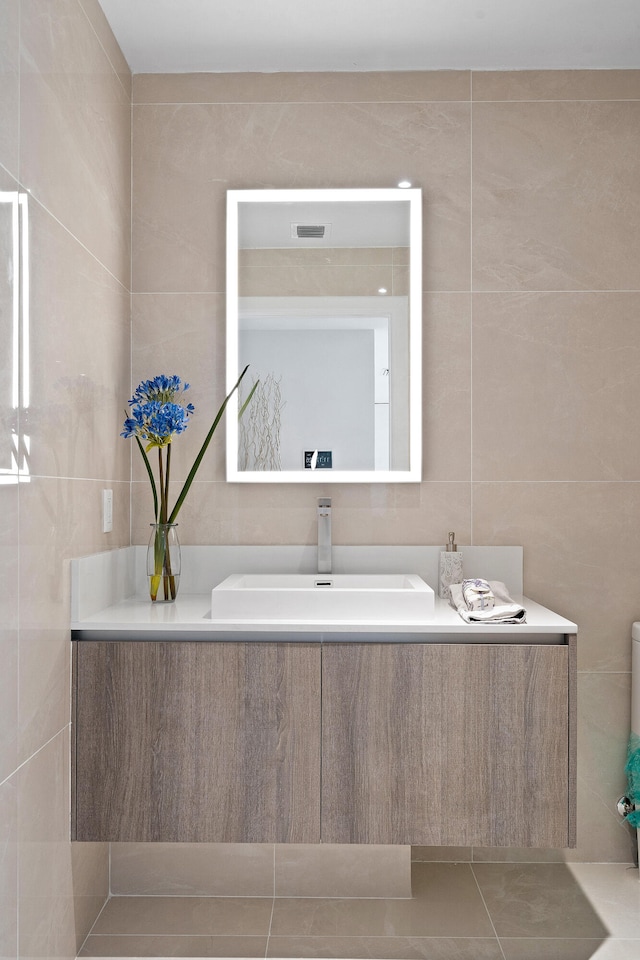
324	506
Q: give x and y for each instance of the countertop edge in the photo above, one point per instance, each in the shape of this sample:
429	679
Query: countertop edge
188	619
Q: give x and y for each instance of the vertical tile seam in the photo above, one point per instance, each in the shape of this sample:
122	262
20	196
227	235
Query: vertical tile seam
20	500
471	487
130	332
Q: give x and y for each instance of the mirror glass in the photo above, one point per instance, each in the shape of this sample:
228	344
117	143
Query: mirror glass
324	304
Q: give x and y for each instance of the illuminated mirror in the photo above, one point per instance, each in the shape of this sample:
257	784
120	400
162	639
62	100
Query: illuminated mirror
324	304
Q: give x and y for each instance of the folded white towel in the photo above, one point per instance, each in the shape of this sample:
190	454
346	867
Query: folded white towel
504	609
477	594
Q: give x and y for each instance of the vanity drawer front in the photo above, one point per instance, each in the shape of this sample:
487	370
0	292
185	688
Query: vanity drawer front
446	744
193	741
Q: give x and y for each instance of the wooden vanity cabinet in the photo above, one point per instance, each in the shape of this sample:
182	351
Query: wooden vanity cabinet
448	744
197	741
433	744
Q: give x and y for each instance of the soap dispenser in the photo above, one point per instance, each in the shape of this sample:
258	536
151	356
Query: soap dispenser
450	568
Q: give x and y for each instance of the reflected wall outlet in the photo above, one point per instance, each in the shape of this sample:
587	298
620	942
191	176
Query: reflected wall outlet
107	511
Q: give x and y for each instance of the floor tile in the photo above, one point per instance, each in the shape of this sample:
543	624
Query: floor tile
537	899
614	889
195	916
165	946
545	949
541	948
434	911
385	948
618	950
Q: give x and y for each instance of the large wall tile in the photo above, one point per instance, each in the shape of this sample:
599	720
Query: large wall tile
555	200
90	878
555	384
602	835
47	517
342	870
556	85
402	86
80	358
8	869
59	519
192	869
187	156
98	21
10	86
222	513
45	884
184	334
581	556
446	386
9	624
603	730
75	128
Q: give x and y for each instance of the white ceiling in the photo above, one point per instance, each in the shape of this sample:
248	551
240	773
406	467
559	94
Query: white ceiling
184	36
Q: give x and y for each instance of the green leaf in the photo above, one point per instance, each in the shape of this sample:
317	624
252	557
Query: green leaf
151	478
247	401
203	449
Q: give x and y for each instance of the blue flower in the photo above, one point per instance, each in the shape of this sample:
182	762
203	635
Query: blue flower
161	389
156	416
156	422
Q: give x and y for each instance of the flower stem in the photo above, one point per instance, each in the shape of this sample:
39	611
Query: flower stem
147	465
166	482
163	492
161	550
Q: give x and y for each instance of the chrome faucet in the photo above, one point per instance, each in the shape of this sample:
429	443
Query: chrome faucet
324	535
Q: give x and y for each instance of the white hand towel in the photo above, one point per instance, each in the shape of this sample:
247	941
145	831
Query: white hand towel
477	594
504	609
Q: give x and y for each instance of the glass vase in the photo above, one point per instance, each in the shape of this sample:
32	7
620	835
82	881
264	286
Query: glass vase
163	562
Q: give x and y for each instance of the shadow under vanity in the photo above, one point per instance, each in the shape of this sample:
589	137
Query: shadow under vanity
438	733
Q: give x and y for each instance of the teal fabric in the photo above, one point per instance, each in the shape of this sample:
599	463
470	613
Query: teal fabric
632	771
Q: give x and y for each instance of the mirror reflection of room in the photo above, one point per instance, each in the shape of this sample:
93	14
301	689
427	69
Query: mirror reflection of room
323	313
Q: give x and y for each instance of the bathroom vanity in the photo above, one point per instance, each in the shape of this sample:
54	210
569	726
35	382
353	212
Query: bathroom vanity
435	734
360	742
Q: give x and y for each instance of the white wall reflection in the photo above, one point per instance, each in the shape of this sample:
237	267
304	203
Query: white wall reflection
14	332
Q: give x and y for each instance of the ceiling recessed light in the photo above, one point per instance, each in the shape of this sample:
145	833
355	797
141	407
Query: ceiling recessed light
404	184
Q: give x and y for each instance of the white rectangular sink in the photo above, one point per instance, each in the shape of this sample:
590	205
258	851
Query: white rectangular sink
324	598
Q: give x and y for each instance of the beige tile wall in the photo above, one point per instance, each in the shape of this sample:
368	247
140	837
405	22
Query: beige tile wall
532	340
64	143
532	288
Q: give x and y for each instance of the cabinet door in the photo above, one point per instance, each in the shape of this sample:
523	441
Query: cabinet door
446	744
183	741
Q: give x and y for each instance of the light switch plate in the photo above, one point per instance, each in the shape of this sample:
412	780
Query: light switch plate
107	511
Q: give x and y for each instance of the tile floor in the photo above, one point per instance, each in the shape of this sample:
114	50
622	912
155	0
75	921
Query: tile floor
459	911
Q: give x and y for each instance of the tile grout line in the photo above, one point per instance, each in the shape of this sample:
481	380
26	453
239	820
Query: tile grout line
20	498
471	489
484	902
84	942
273	905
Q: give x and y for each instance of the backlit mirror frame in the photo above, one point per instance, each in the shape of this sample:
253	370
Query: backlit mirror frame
413	198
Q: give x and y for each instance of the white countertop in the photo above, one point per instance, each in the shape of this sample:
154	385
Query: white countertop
189	618
110	602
